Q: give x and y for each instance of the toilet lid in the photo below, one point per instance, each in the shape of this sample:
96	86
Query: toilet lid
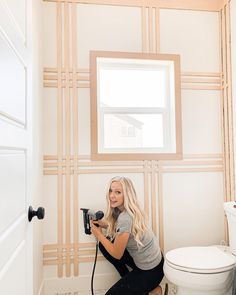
200	259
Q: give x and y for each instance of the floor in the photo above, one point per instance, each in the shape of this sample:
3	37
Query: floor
172	291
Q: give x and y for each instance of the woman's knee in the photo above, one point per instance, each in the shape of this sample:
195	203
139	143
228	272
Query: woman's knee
112	291
109	293
115	291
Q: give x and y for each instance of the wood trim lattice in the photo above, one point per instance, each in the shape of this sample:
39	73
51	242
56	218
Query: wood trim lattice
199	162
152	172
81	79
201	81
67	164
79	253
78	78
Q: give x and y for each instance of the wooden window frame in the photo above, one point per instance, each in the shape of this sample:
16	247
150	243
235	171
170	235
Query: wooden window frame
95	154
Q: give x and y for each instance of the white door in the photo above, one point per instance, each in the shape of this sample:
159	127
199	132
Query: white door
15	148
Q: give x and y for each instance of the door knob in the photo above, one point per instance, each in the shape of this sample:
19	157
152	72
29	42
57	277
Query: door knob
39	213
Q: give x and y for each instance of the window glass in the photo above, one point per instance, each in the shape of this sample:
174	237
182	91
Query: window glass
133	131
135	106
126	87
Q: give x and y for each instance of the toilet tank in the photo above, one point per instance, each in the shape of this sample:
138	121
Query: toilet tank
230	210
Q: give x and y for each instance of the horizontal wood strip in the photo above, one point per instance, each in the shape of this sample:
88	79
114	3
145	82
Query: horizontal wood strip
200	87
63	261
87	85
63	70
163	163
202	74
48	247
87	157
189	170
198	80
190	163
103	171
87	71
96	171
64	85
55	78
55	157
205	5
64	253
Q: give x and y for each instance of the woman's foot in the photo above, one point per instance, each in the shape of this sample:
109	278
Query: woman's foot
157	291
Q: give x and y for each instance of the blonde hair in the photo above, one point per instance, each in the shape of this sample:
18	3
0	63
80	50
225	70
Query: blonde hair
131	205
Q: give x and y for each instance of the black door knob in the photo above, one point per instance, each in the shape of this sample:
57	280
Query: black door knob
39	213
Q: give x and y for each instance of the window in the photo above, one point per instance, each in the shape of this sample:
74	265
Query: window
135	106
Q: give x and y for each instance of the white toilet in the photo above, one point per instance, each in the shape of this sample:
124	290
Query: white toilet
204	270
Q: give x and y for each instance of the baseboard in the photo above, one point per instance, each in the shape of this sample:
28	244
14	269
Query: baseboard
41	289
78	285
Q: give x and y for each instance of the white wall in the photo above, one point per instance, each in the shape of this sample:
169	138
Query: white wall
192	189
193	213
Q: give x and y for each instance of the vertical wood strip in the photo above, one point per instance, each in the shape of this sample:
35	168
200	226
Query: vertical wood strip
150	29
160	210
222	102
144	29
67	135
146	190
157	29
153	199
225	107
59	141
225	110
75	136
230	105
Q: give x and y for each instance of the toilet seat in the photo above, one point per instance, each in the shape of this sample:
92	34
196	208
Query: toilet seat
200	260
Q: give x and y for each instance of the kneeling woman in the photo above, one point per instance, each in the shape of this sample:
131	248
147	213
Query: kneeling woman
131	242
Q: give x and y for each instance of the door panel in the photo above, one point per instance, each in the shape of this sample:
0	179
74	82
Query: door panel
13	278
17	10
13	84
15	150
11	239
12	185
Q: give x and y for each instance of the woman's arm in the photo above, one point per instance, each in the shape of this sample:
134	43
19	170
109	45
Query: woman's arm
115	249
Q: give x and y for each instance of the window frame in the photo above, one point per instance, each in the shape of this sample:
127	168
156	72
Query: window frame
96	153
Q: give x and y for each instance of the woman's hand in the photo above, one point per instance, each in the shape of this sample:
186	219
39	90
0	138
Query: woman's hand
102	223
95	230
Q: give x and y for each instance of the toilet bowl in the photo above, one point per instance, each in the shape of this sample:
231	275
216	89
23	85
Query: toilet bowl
200	270
204	270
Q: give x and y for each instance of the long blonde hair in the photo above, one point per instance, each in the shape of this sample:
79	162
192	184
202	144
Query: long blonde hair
131	205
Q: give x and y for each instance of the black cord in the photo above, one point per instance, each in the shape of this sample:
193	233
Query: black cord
94	266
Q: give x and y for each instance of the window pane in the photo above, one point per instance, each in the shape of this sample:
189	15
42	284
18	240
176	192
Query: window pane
135	106
132	87
133	131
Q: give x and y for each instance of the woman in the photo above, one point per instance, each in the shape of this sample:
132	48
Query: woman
130	243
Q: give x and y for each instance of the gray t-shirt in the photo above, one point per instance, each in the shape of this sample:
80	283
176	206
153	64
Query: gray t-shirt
147	256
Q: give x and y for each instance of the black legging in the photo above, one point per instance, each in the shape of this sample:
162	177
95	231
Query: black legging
136	281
